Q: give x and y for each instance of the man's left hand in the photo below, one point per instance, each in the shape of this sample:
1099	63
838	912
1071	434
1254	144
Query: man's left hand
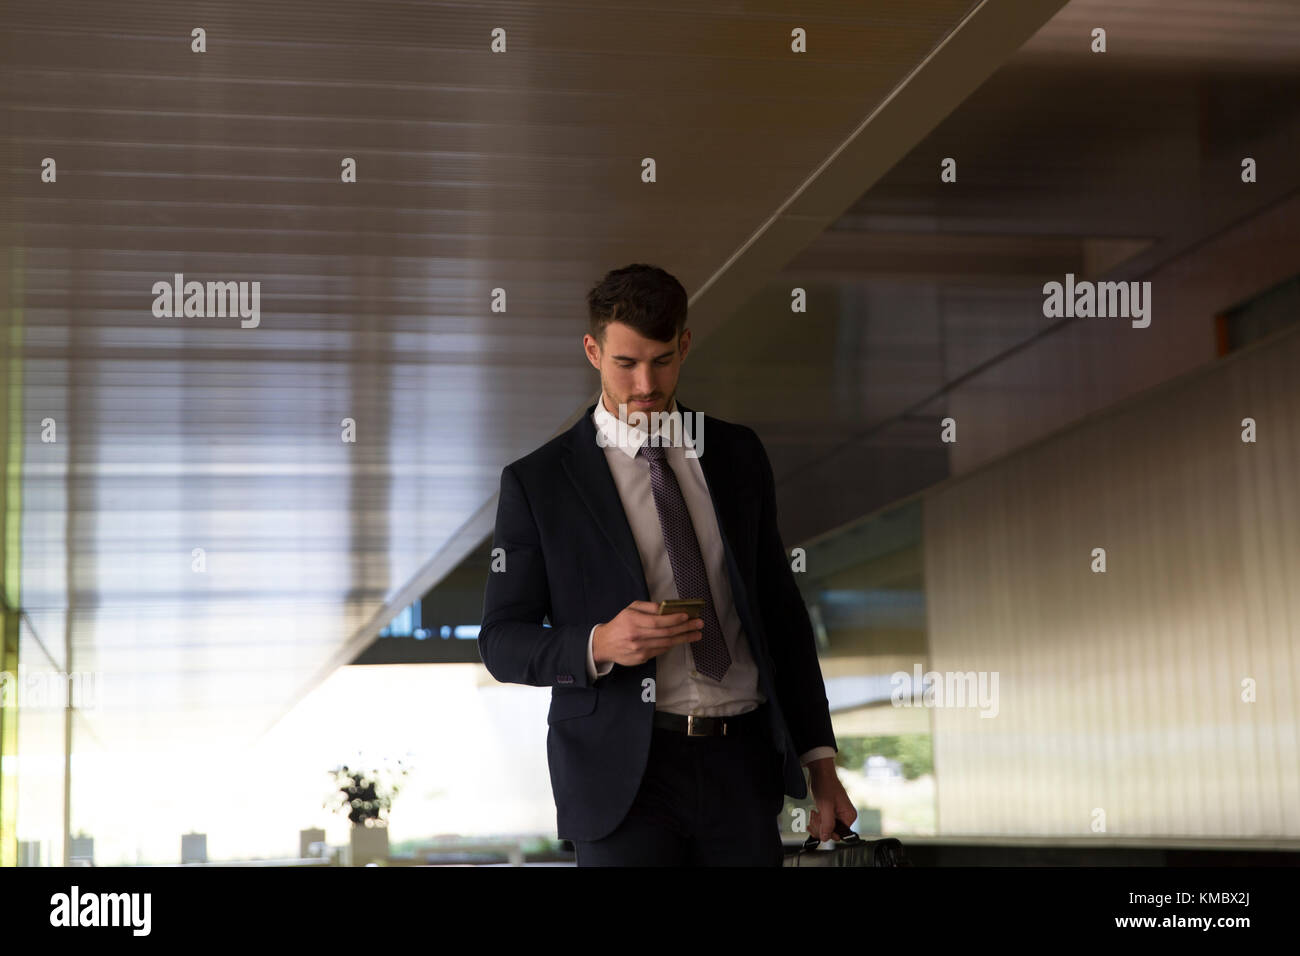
832	803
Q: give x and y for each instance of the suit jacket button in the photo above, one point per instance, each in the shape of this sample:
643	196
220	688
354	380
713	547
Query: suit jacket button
564	678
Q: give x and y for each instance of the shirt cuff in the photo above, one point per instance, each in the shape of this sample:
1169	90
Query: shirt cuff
817	753
592	673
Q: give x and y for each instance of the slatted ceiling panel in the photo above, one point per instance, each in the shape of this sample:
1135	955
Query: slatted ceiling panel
476	171
1122	691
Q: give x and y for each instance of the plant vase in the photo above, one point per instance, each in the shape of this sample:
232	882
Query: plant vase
369	845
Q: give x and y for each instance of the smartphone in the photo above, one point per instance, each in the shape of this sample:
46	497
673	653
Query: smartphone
692	606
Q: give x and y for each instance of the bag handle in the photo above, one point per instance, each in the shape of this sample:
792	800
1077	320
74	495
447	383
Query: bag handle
842	832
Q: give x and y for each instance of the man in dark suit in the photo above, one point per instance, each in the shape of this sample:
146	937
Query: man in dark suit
671	740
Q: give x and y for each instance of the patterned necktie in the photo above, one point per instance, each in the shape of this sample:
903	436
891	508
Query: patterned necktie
710	652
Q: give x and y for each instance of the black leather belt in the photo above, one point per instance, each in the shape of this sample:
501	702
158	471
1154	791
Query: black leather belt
746	724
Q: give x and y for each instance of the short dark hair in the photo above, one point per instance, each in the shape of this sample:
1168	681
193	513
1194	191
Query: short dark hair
645	297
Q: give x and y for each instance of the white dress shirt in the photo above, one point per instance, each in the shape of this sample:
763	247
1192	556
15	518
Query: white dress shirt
679	688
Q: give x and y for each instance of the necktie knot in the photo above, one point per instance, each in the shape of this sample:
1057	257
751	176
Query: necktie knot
652	452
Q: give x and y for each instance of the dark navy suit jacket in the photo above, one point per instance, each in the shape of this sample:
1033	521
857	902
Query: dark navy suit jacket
571	559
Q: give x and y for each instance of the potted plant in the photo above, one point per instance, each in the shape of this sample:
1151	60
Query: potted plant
366	796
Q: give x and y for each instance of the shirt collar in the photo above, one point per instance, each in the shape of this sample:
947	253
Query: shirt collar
632	436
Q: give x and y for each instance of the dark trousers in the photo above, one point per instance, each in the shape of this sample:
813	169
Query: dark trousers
704	801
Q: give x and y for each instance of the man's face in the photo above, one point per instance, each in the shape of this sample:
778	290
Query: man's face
636	371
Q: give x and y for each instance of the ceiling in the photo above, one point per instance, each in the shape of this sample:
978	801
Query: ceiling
521	171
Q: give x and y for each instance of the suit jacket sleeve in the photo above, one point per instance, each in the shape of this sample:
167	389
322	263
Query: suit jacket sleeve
798	675
515	646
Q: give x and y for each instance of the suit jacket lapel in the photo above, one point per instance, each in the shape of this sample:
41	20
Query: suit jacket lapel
726	492
589	471
718	478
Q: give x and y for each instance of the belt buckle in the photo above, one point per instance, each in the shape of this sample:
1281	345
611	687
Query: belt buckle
690	726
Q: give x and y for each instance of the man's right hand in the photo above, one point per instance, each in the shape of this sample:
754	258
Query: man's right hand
639	633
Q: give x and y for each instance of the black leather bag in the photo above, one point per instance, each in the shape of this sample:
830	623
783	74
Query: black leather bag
849	850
